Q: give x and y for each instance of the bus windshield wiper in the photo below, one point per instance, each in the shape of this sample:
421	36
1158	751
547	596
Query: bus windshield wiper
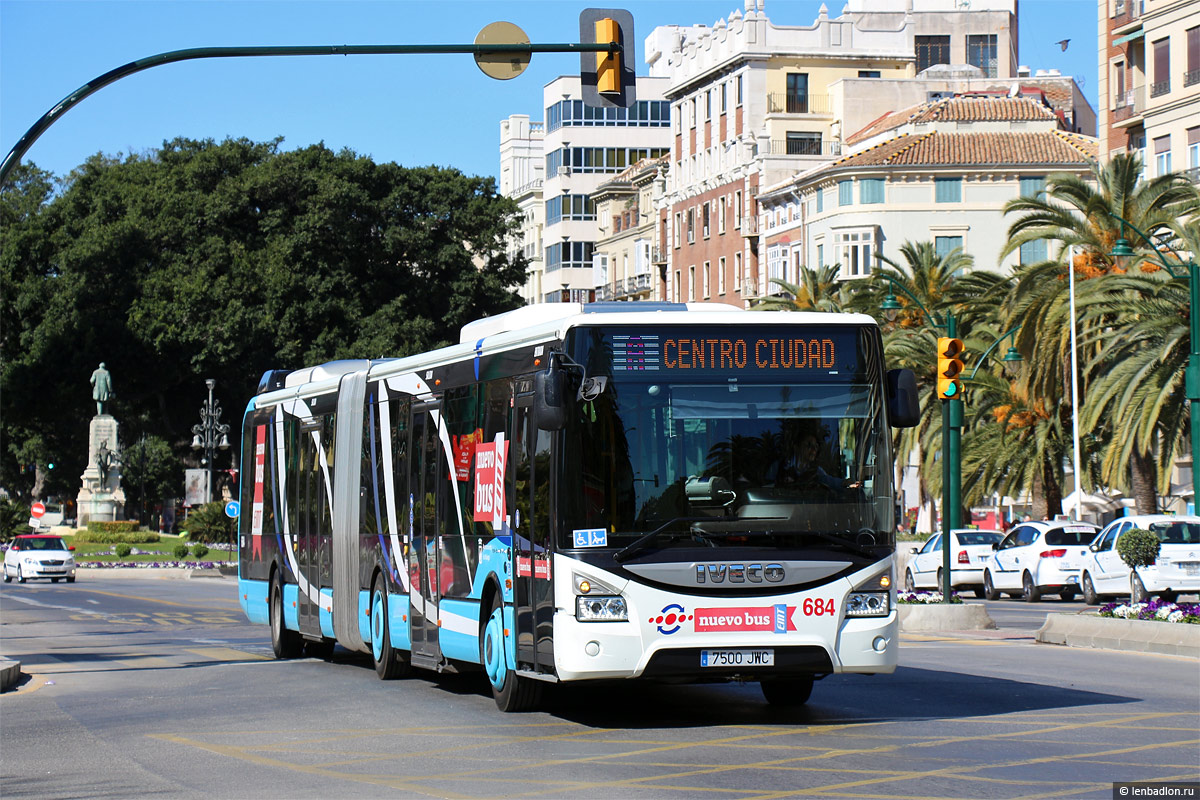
639	544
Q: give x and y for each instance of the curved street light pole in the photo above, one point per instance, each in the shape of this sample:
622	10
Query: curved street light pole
952	419
206	433
1191	375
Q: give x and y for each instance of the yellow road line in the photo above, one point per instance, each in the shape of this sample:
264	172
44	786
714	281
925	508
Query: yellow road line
226	654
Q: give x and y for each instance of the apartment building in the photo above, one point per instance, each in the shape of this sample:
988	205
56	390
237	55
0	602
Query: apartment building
522	167
752	105
623	262
1149	93
940	171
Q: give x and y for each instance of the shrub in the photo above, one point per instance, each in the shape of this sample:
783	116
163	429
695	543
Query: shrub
113	526
91	536
1138	548
200	551
208	523
181	551
123	550
14	519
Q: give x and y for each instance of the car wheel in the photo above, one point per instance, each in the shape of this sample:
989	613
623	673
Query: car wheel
1067	595
989	588
1089	591
7	577
1030	592
389	662
909	585
1137	589
939	581
787	692
285	643
20	575
511	691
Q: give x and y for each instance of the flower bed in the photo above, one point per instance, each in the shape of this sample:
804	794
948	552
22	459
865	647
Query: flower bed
154	564
1154	611
924	598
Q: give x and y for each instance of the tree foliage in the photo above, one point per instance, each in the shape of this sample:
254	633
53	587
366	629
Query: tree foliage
223	260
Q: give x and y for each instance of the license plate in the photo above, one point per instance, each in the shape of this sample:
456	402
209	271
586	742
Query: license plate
1190	567
737	658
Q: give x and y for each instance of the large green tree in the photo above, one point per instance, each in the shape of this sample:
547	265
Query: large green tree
224	260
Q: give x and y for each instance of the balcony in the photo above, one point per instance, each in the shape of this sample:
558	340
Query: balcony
1128	107
789	103
1127	11
805	147
749	288
1160	88
749	226
1192	174
1192	77
658	255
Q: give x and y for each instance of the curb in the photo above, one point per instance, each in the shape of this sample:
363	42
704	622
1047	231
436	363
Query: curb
944	617
10	671
1134	635
160	573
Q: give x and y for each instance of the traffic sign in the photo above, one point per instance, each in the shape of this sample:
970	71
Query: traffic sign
232	509
37	509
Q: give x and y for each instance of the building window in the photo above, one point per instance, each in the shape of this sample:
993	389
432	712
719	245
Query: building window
932	50
707	279
569	254
1120	100
724	95
721	275
739	90
600	269
1162	155
691	283
705	216
981	52
820	200
737	209
868	73
803	143
574	113
708	105
678	123
944	245
1193	135
797	93
721	214
777	262
1192	76
845	193
947	190
1032	185
570	206
675	295
1162	68
1033	252
678	242
691	225
870	191
854	250
820	256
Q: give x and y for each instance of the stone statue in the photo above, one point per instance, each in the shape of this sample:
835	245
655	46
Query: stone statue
102	388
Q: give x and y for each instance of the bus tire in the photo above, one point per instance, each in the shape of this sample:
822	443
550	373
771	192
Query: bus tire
511	691
787	692
390	663
284	643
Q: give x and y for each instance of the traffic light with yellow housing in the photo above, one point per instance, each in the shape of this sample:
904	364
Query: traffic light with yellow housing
949	367
607	78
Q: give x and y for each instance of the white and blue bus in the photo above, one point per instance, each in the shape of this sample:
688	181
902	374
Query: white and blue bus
584	493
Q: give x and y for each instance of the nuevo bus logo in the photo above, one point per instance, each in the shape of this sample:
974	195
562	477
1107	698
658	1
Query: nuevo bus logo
670	619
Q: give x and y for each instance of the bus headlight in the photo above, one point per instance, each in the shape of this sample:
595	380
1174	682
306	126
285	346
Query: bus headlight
867	604
601	608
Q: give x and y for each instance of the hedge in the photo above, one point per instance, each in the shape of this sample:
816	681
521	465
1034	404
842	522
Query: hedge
115	537
113	526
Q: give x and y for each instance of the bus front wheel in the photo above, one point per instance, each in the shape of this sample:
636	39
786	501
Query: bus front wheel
389	662
284	643
511	691
787	692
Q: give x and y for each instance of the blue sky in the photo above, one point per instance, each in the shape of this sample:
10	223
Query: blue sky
413	109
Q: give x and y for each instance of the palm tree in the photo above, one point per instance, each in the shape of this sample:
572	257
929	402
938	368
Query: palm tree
1082	214
819	290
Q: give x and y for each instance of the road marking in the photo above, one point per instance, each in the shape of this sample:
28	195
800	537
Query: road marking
226	654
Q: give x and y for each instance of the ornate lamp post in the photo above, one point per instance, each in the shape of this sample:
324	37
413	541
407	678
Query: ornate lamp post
207	432
1191	380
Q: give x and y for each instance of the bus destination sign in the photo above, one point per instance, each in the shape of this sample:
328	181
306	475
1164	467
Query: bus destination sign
721	351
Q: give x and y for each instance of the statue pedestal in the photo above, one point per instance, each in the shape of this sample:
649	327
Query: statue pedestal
101	496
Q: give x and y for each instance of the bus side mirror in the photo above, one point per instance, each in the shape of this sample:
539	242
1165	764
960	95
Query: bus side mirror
904	409
550	398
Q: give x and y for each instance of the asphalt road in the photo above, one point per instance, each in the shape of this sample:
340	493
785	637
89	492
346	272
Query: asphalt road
158	688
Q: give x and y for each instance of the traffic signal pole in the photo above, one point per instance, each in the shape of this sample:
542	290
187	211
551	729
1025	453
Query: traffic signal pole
952	420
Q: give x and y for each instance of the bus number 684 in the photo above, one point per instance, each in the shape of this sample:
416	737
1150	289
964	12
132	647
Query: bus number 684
817	607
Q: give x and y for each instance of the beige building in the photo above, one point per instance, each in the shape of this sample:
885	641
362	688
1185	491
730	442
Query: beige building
522	167
1149	93
623	264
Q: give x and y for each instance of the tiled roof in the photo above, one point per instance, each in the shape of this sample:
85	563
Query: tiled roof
968	108
979	149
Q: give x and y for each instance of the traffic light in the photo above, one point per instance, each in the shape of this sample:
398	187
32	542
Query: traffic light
607	78
949	367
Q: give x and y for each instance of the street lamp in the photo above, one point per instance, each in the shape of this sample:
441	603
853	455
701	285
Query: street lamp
952	417
206	433
1191	376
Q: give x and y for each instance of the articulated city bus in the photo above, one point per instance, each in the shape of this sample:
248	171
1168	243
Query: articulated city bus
586	492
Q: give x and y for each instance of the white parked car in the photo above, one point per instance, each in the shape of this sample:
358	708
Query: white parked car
970	550
39	556
1176	572
1037	558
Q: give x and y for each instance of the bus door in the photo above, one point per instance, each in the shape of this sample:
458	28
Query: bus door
428	464
309	497
532	550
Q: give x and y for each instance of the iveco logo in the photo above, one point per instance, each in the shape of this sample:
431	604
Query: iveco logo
739	573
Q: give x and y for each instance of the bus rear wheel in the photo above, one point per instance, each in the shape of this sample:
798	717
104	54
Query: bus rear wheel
390	663
511	691
284	643
787	692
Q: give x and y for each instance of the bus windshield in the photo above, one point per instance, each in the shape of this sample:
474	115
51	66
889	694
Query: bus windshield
734	450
